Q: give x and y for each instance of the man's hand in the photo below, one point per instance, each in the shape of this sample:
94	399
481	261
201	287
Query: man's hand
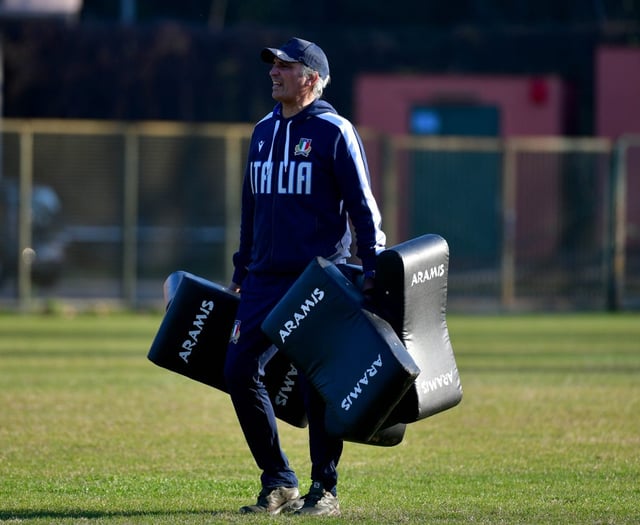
234	287
368	284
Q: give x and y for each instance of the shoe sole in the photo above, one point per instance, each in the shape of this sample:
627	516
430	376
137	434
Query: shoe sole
332	513
287	507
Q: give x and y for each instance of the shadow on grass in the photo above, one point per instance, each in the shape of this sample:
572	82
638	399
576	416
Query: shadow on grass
24	514
552	369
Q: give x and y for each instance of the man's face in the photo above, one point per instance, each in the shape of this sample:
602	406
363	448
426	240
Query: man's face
289	84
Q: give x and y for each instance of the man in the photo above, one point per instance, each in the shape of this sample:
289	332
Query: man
306	177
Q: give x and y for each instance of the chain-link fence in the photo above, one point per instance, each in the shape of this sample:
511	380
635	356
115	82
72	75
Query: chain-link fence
136	202
106	210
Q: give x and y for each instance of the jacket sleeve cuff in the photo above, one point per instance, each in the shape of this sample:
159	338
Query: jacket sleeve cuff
239	274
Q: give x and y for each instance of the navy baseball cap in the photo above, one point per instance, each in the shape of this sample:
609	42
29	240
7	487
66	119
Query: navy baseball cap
299	50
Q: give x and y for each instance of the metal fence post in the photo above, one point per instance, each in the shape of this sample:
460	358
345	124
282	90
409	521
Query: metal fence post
508	264
617	228
390	207
130	216
233	175
25	250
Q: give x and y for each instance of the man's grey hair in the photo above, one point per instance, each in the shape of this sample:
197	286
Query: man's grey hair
318	87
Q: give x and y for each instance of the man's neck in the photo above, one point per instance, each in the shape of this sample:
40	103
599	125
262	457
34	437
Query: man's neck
293	109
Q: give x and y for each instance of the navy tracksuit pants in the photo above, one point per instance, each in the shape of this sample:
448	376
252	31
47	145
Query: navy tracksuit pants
244	369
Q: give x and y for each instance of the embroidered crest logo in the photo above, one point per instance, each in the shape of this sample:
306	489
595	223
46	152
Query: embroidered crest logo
235	332
303	147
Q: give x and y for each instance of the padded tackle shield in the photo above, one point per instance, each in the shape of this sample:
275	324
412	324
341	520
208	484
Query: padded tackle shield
411	287
351	356
193	337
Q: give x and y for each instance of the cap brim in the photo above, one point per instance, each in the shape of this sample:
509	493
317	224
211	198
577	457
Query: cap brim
268	54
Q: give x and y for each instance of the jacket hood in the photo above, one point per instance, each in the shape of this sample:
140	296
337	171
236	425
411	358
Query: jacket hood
317	107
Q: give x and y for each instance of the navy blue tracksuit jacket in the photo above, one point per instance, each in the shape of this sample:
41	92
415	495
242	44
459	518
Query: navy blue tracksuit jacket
304	176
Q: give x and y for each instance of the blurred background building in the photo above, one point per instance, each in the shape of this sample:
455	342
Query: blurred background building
510	128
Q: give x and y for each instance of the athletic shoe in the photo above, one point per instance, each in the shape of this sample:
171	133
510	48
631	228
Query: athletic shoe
319	502
275	501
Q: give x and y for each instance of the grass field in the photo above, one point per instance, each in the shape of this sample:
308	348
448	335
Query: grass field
548	431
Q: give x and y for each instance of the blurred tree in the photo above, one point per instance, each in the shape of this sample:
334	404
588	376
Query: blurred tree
220	14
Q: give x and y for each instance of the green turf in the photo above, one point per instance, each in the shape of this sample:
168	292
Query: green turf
548	431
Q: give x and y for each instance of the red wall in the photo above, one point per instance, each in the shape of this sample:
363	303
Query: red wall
528	105
617	86
617	91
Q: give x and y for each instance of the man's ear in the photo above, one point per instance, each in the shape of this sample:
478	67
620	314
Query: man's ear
312	79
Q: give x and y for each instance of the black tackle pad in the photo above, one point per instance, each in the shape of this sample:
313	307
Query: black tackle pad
411	289
351	356
193	336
